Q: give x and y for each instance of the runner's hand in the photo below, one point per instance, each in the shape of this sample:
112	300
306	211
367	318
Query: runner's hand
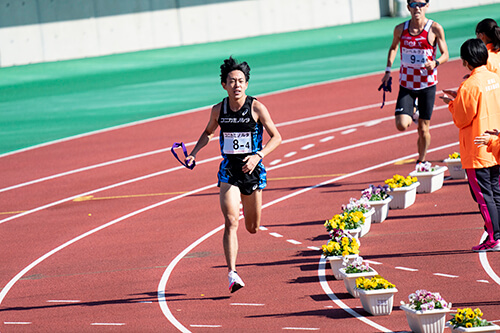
386	77
189	160
251	163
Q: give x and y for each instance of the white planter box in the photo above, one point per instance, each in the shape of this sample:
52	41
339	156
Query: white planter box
354	233
368	222
492	328
403	197
430	181
350	280
431	321
336	264
381	209
377	302
455	168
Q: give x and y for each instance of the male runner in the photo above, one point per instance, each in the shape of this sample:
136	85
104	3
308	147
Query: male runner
418	39
241	175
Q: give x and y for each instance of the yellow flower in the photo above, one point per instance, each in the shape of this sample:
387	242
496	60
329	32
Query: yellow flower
459	318
470	314
342	225
478	312
468	325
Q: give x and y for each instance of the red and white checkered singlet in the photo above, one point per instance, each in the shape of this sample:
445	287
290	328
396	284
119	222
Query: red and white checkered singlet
415	51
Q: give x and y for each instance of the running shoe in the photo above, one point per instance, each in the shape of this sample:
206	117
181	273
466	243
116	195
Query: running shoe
487	246
415	116
235	282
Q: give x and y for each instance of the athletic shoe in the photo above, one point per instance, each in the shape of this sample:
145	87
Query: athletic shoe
487	246
235	282
415	116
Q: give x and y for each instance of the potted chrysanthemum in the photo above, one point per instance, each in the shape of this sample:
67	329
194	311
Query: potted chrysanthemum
362	205
454	163
376	295
426	311
378	198
431	177
403	190
468	320
353	270
341	249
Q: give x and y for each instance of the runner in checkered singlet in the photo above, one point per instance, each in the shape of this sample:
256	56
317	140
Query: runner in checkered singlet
419	38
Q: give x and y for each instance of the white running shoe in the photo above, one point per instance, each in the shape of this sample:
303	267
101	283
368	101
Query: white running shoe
235	282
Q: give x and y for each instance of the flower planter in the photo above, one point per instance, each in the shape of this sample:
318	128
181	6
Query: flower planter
455	168
350	280
381	209
430	181
403	197
490	328
429	321
354	233
377	302
336	263
365	227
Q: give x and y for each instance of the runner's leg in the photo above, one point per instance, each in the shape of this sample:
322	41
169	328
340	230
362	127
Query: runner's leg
252	207
424	138
230	206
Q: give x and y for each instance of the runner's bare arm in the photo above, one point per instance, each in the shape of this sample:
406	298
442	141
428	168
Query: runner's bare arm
438	32
393	50
207	134
261	114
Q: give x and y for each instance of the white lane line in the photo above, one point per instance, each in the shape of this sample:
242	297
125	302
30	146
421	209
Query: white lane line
301	328
339	303
275	162
305	159
290	154
275	234
107	324
314	248
63	301
483	258
162	286
293	241
483	281
328	138
446	275
205	326
10	284
372	123
17	322
406	269
263	228
349	131
306	147
373	262
247	304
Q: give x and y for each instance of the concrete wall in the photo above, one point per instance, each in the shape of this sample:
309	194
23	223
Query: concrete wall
34	31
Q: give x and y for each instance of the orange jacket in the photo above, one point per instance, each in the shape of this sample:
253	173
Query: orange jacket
475	110
493	59
494	147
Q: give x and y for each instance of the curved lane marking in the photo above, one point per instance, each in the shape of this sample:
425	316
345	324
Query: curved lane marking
166	275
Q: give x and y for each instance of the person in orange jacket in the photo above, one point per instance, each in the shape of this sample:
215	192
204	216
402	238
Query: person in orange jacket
489	32
475	108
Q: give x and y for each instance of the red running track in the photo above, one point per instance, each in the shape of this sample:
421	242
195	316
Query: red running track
140	249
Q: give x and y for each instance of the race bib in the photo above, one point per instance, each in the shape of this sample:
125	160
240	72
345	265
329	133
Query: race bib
237	143
413	57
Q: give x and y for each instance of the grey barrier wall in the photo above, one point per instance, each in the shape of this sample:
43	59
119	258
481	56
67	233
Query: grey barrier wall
33	31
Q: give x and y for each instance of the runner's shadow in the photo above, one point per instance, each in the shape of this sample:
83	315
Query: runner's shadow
424	216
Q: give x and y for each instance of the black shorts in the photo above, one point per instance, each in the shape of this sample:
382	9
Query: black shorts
230	171
406	101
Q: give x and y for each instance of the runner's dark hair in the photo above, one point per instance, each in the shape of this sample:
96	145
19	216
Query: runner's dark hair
409	1
474	52
490	28
232	64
